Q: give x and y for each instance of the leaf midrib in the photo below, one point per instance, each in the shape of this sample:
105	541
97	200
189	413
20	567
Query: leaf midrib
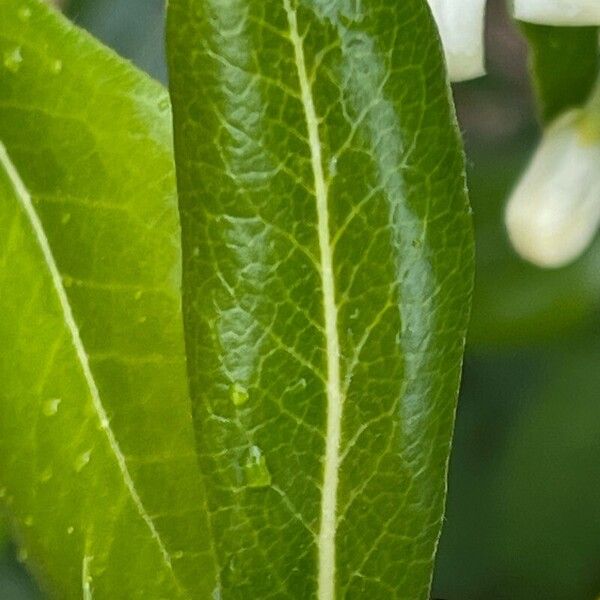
327	530
26	203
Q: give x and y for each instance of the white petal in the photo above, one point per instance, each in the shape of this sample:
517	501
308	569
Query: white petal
558	12
461	25
554	212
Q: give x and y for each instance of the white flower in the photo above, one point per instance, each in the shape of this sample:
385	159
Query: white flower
554	212
461	26
558	12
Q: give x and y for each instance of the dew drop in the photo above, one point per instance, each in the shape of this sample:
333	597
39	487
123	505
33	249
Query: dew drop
22	555
239	394
50	407
333	167
256	470
138	294
13	59
24	13
196	251
65	218
46	475
298	385
2	492
178	555
164	104
82	460
70	530
56	66
67	280
28	520
230	566
142	319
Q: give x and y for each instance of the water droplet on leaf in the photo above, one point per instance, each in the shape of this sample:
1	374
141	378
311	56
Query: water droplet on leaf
24	13
56	66
46	475
82	460
164	104
65	218
22	555
239	394
230	566
28	520
13	59
256	470
50	407
333	167
70	530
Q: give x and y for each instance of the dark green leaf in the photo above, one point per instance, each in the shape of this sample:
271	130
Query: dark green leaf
97	458
565	62
4	535
327	274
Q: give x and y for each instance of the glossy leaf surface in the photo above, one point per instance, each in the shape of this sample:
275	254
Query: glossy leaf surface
97	458
565	62
327	260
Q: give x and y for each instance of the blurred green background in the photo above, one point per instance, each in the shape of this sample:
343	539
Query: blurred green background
523	518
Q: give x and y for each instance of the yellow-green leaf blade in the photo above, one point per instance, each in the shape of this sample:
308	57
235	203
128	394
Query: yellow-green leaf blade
97	460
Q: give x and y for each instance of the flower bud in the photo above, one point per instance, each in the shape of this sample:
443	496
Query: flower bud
558	12
554	211
461	26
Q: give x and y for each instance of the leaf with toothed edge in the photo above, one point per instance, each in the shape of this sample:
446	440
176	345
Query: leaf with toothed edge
98	467
327	273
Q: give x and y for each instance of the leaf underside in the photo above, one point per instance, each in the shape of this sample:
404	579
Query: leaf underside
327	272
97	459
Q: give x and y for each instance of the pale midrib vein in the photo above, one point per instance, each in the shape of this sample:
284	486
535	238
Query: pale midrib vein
86	580
38	229
327	531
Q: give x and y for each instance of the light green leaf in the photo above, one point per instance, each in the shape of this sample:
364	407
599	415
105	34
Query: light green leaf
565	62
327	275
97	459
